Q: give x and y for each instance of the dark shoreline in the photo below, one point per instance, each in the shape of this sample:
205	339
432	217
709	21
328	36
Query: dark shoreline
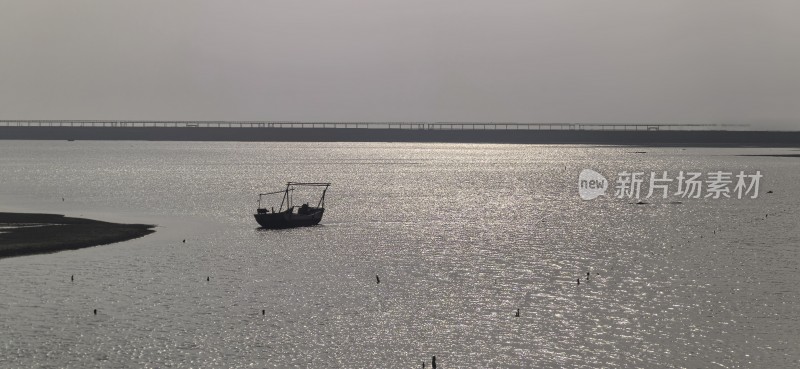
663	138
777	155
54	233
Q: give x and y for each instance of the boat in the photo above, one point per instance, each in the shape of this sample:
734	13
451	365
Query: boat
289	215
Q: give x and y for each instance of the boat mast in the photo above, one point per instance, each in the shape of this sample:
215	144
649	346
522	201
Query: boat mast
285	199
321	203
287	194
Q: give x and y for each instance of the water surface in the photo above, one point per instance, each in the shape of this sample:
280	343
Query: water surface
461	236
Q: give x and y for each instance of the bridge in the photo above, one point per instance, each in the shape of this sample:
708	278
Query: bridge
460	126
645	134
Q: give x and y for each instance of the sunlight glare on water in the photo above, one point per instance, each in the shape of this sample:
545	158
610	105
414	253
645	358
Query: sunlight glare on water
460	235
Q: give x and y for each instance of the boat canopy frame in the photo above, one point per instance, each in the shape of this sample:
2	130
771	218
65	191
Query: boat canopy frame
287	194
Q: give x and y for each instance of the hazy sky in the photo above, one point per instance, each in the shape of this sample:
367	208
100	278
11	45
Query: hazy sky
692	61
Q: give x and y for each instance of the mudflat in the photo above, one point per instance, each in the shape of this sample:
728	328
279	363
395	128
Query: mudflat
26	233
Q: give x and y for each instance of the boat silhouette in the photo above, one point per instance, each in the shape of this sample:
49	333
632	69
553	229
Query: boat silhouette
289	215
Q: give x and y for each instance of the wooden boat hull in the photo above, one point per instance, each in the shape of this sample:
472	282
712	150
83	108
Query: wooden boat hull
288	219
